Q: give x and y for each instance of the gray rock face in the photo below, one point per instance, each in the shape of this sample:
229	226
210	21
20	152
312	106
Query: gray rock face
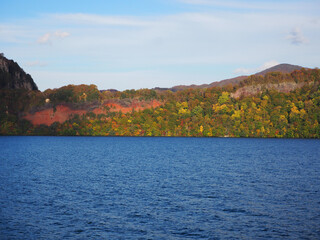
285	87
12	76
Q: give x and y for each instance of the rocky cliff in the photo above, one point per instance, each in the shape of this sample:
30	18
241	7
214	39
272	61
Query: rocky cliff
284	87
12	76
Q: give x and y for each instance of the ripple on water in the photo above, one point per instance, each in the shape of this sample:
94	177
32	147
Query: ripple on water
159	188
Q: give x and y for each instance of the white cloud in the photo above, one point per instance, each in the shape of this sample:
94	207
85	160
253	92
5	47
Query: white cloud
295	7
256	5
48	37
44	39
61	34
267	65
92	19
296	37
248	71
206	46
242	71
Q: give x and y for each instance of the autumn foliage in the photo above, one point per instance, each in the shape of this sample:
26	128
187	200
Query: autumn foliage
212	112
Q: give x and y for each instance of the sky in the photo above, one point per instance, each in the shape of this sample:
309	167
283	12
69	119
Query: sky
133	44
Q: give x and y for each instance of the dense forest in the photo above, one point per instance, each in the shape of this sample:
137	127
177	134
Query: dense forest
254	108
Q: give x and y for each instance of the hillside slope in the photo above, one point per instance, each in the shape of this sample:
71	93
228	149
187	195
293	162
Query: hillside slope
12	76
282	68
271	105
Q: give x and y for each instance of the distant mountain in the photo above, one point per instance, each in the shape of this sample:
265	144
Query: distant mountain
283	68
12	76
221	83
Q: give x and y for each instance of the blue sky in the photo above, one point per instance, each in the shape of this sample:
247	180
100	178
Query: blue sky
156	43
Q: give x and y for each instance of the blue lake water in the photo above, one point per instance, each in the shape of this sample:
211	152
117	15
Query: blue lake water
159	188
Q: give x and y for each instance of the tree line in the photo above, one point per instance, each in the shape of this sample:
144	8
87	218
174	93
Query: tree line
211	112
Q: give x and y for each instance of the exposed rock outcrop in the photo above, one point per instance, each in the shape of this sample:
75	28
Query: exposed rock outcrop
255	89
12	76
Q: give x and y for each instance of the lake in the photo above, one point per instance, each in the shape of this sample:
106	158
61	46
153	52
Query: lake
159	188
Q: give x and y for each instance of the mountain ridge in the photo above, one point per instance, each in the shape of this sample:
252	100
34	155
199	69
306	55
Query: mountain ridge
12	76
283	68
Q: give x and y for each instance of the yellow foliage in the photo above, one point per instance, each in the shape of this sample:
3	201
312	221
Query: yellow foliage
294	109
264	103
257	118
183	111
302	113
218	108
283	118
183	108
83	97
236	114
224	97
284	130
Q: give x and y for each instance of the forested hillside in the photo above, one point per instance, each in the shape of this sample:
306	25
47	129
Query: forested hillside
274	105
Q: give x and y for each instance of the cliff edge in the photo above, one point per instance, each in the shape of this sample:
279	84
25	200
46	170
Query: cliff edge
12	76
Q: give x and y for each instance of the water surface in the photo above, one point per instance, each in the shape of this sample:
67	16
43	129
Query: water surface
159	188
